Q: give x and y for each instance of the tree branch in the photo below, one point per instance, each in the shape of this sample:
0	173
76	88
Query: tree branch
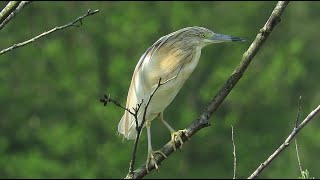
11	6
285	144
13	13
71	24
203	120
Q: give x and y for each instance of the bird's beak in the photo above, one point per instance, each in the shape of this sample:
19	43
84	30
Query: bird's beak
218	38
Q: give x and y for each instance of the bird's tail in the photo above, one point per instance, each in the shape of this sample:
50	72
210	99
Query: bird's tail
127	126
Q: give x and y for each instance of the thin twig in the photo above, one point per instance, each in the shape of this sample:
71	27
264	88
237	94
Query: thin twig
15	12
285	144
107	98
234	155
136	111
295	140
168	80
139	128
149	100
298	112
73	23
298	157
135	145
11	6
133	157
146	106
203	119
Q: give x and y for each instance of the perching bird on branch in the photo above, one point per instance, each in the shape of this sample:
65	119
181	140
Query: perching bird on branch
173	56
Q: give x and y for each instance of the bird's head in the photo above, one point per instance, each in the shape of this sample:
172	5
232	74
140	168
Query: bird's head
201	36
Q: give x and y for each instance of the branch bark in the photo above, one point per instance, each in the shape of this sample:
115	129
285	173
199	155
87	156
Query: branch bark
13	13
11	6
71	24
203	119
285	144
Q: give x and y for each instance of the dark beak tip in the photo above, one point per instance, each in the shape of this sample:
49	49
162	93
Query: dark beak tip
237	39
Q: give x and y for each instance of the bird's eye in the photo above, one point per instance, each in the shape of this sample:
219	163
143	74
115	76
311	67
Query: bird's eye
202	35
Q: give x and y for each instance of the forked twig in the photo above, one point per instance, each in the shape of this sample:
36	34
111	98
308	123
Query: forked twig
139	128
106	99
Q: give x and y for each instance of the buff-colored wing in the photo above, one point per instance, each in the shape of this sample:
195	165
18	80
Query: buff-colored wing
138	90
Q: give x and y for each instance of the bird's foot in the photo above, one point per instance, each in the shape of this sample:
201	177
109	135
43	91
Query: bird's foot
151	159
176	136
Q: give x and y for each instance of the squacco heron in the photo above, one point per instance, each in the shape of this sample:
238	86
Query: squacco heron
172	56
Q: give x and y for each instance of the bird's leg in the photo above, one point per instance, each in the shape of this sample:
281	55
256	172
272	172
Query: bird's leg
150	151
175	135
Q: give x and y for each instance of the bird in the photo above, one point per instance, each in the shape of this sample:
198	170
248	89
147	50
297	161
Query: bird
172	58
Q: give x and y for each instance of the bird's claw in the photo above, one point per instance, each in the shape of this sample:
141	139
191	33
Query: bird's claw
151	158
176	136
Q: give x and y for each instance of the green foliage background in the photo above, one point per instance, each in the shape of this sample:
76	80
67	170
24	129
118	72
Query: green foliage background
52	124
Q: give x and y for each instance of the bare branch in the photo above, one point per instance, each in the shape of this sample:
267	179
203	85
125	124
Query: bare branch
285	144
105	100
136	110
71	24
234	155
139	128
298	157
108	99
167	80
11	6
298	112
13	13
203	120
295	140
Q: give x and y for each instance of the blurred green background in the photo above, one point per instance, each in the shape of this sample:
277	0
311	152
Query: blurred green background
52	124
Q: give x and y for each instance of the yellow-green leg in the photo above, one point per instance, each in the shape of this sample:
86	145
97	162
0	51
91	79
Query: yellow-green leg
175	135
151	153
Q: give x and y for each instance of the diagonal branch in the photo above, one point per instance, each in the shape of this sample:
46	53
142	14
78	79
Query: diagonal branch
13	13
11	6
203	120
71	24
285	144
